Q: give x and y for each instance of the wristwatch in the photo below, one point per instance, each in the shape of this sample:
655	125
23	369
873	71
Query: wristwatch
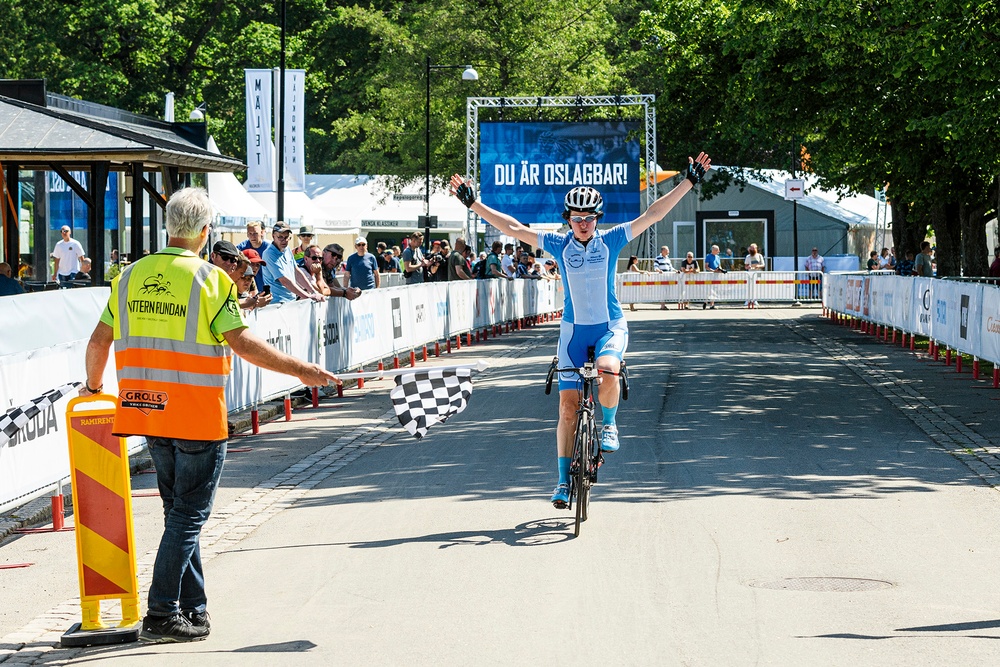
93	390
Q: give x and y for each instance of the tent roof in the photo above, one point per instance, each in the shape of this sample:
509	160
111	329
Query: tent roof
36	136
851	207
357	200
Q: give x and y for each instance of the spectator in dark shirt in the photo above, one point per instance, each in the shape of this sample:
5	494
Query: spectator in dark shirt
84	272
995	266
8	286
873	261
904	267
458	269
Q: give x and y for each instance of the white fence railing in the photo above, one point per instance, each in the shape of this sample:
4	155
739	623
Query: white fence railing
963	316
735	286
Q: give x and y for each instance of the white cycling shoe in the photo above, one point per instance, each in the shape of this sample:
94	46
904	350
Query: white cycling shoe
609	438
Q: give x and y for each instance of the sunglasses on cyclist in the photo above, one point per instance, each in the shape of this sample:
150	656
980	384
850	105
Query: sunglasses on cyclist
583	218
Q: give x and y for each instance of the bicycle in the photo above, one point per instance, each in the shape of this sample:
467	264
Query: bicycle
587	456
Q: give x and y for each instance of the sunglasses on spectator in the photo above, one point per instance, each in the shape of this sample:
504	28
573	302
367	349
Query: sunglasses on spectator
335	255
228	258
582	218
315	256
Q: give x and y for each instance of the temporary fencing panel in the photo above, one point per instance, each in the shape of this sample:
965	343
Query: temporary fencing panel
989	328
964	316
730	287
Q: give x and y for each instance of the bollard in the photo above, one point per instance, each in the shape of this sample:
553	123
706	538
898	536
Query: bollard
520	323
468	338
381	366
958	363
425	353
975	368
458	341
937	352
486	333
447	345
361	381
477	335
413	358
996	378
288	407
255	420
894	335
395	361
340	391
947	356
315	397
437	349
913	339
58	513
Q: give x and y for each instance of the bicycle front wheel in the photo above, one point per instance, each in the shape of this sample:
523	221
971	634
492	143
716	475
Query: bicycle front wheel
582	449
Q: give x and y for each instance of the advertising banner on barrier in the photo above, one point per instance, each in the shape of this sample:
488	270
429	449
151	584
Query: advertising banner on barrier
880	297
901	316
923	306
462	304
989	327
957	309
36	455
340	334
527	168
51	318
855	296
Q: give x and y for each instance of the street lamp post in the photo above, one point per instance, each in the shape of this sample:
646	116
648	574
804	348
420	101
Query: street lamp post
469	74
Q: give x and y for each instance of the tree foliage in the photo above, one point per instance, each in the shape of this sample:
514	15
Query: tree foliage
898	94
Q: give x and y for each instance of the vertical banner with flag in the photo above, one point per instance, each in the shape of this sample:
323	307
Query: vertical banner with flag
260	148
293	123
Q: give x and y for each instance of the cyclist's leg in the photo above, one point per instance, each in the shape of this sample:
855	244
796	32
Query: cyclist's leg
569	401
610	352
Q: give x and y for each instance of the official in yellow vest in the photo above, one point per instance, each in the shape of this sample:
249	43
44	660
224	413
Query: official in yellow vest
174	320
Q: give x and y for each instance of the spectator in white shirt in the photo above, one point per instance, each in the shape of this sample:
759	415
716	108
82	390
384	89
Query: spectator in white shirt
67	255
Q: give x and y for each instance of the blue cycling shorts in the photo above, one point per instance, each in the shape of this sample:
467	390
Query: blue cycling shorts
607	339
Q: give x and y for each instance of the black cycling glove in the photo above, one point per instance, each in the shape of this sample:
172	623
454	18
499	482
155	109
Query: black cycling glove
466	195
695	172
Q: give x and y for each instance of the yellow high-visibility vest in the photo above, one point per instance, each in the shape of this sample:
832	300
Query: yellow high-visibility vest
169	311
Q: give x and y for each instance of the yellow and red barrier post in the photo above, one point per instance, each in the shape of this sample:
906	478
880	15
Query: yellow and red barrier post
105	539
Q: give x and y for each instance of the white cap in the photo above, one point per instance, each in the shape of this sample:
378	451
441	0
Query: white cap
360	240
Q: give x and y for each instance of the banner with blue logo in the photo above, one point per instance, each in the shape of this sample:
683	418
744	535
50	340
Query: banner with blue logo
66	208
526	169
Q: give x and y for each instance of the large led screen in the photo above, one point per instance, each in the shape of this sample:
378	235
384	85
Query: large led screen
527	168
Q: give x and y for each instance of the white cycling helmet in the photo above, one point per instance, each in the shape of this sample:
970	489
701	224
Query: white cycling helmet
584	199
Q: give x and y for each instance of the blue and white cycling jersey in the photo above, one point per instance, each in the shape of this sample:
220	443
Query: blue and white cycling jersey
588	273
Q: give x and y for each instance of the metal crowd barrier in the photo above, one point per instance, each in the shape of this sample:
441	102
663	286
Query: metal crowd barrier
742	287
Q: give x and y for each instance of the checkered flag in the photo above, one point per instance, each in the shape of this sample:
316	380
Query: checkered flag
430	397
16	418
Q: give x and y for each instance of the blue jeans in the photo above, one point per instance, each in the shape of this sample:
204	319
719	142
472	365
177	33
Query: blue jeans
187	473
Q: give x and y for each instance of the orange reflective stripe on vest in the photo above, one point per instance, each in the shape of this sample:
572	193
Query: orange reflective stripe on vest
172	372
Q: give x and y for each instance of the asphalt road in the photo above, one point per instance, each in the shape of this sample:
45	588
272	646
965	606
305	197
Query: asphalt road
769	506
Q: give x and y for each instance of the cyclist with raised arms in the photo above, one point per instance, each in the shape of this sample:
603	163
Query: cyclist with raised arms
592	315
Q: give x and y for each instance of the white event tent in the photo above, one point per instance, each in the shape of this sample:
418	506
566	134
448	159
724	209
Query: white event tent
234	206
365	202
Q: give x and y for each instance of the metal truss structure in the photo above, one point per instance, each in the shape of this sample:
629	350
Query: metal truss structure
647	244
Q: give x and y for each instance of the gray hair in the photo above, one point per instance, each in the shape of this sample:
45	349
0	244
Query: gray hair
188	212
